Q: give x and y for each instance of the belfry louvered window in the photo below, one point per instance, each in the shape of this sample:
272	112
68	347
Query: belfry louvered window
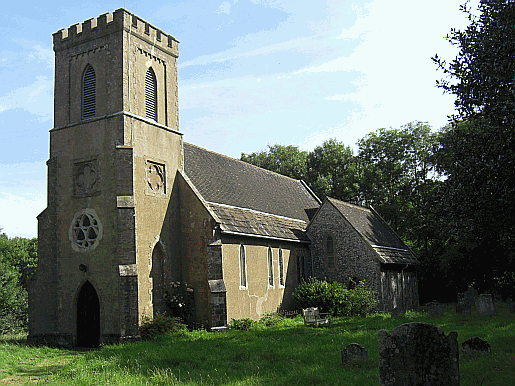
150	95
89	81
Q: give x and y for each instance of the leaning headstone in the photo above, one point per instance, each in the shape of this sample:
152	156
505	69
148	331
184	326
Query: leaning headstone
418	354
354	352
476	345
485	305
435	308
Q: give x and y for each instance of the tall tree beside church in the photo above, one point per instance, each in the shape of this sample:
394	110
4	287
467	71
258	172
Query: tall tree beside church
286	160
398	175
333	171
18	261
477	152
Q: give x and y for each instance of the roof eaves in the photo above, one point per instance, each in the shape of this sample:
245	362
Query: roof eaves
226	232
256	211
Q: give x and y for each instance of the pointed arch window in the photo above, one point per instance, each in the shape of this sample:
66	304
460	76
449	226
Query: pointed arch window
281	268
270	267
329	249
243	268
89	83
151	94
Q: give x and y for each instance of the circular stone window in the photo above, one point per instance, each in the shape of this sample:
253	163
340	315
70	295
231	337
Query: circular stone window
85	230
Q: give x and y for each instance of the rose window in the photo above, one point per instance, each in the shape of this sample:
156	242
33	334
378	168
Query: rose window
85	231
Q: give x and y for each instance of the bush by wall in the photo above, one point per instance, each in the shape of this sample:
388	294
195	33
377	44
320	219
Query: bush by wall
243	324
151	328
334	297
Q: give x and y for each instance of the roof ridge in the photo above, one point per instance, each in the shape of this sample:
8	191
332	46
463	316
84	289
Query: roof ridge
257	211
348	204
243	162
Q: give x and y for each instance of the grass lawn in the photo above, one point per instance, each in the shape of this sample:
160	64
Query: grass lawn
286	354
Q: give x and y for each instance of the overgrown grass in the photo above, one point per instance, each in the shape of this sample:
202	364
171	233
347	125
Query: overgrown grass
285	353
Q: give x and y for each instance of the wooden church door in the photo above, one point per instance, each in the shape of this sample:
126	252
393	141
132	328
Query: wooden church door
88	317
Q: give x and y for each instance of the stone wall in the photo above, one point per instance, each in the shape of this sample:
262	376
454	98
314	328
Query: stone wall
354	258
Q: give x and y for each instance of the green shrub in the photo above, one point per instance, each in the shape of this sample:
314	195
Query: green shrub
244	324
362	301
334	297
160	325
271	319
180	300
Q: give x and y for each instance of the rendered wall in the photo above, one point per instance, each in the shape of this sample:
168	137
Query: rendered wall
101	165
258	298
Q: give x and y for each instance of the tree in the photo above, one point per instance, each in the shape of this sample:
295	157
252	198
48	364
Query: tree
285	160
18	261
398	175
332	171
477	149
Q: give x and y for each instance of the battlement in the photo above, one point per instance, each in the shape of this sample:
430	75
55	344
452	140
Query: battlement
109	23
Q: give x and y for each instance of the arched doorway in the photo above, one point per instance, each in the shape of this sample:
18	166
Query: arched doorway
88	317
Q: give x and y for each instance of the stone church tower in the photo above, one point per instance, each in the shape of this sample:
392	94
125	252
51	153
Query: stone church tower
115	150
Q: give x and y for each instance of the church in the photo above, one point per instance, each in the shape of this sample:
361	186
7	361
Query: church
133	209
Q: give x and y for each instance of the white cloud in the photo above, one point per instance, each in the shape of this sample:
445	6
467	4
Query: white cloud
35	98
225	7
18	213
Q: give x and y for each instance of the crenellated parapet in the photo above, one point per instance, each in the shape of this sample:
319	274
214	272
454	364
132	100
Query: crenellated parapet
109	23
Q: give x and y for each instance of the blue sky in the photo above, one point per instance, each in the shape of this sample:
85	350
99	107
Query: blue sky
251	73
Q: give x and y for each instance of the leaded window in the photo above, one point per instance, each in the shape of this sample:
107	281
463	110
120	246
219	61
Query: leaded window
281	267
89	80
270	267
330	252
243	267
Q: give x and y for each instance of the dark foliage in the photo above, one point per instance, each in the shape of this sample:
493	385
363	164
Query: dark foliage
477	149
160	325
18	261
180	300
334	298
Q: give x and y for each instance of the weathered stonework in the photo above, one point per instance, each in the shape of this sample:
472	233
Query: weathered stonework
353	257
418	354
97	190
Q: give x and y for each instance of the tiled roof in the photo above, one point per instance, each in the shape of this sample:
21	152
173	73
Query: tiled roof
250	222
397	256
387	244
224	180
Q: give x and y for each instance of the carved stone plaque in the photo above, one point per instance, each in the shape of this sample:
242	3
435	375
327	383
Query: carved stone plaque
155	178
85	178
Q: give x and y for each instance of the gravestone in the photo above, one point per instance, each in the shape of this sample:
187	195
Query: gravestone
476	345
435	308
354	352
470	296
463	306
485	305
418	354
